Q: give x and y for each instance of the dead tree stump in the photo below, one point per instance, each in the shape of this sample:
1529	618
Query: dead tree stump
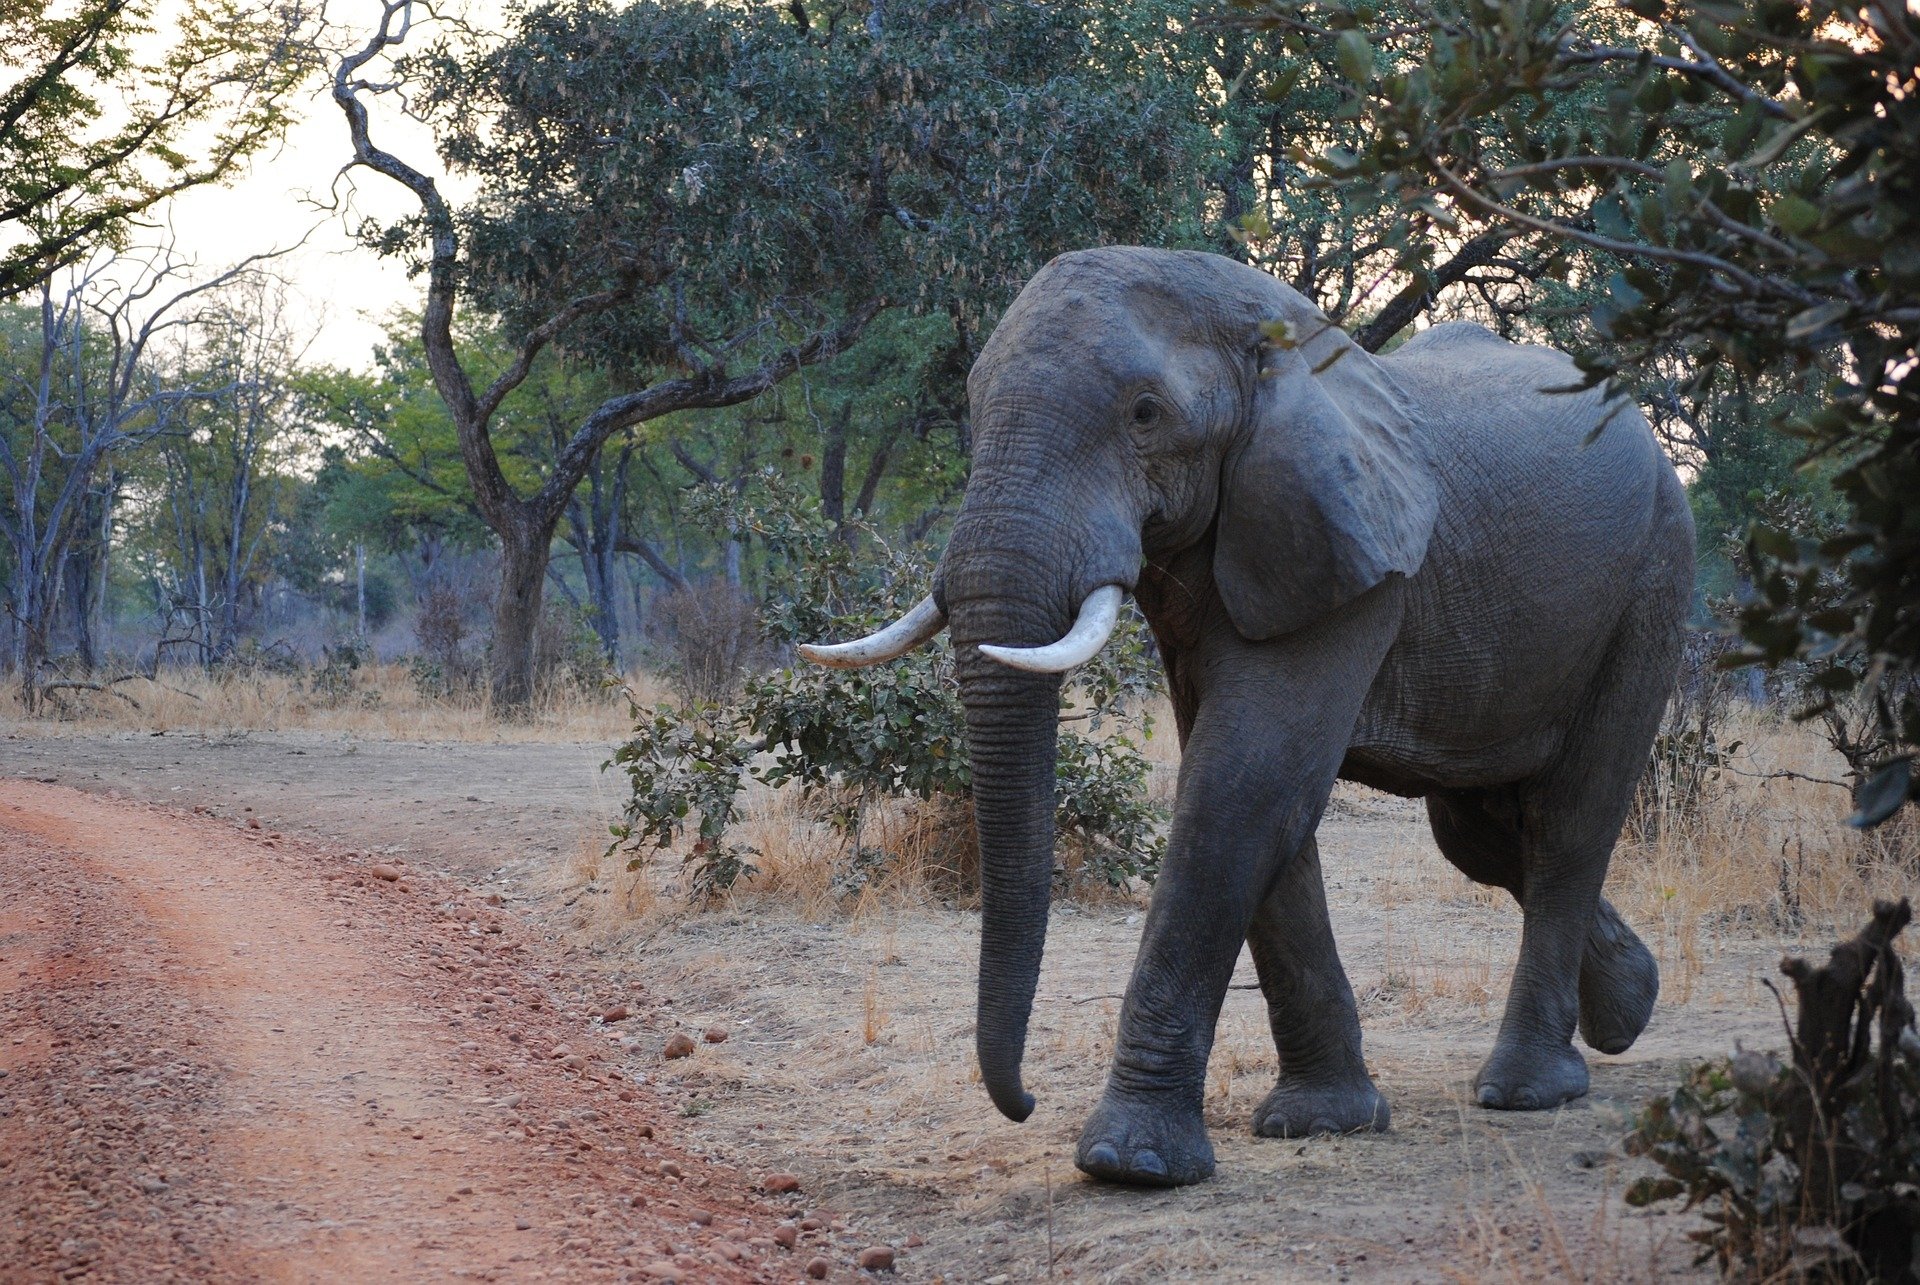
1853	1118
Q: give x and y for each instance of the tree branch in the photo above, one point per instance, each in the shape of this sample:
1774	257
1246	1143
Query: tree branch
704	391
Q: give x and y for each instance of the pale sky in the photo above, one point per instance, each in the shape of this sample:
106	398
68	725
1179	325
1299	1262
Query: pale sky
344	290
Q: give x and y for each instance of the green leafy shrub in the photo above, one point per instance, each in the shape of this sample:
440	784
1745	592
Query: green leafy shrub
1810	1169
849	738
681	770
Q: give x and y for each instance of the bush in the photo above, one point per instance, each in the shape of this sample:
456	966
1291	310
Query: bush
710	635
852	737
567	653
678	765
1808	1169
443	666
336	680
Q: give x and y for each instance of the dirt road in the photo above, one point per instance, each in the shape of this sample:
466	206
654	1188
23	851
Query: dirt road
226	1054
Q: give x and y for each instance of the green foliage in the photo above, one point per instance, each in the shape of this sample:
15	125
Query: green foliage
1099	808
683	765
772	171
1754	172
109	107
1720	1139
401	471
859	735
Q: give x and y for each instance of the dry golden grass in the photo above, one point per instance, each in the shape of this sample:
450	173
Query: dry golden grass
380	701
1763	854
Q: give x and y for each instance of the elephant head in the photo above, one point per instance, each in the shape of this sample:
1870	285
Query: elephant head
1130	404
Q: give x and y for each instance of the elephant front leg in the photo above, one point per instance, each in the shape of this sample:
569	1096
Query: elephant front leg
1323	1086
1243	799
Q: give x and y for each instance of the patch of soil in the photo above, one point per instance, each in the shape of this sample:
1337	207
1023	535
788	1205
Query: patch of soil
849	1060
232	1055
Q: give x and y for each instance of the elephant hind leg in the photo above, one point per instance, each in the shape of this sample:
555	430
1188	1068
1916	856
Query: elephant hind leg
1619	979
1323	1086
1619	982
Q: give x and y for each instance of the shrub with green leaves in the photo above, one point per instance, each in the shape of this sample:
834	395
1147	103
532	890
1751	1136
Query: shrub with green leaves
862	735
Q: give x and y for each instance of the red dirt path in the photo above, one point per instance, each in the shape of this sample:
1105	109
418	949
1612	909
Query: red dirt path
225	1055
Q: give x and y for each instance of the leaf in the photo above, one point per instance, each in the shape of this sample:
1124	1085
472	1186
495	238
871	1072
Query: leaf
1679	184
1645	1191
1794	214
1356	56
1817	318
1883	794
1282	84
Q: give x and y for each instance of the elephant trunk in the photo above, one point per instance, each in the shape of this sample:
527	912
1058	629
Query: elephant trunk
1012	719
1041	530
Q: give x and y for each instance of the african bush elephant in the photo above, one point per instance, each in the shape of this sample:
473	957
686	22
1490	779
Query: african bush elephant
1423	572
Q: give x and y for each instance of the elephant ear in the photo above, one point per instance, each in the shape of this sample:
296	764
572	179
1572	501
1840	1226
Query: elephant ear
1329	494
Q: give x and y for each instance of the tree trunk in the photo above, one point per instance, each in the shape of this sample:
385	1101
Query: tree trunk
833	466
86	570
524	548
79	595
30	625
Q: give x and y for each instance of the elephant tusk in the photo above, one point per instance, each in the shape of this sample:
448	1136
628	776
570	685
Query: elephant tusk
1098	615
897	639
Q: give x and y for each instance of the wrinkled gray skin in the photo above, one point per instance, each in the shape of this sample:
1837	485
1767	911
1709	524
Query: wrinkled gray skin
1407	571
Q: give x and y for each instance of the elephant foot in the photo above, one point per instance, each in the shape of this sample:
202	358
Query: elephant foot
1145	1143
1618	984
1298	1108
1530	1076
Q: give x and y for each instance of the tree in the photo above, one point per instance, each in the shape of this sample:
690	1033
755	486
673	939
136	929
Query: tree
80	386
1755	174
701	201
106	114
227	466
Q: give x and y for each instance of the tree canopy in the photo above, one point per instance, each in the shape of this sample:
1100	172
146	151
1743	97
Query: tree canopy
109	109
699	201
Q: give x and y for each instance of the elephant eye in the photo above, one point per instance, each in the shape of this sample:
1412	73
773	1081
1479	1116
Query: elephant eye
1146	410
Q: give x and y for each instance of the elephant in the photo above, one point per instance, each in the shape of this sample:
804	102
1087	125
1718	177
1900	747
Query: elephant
1447	573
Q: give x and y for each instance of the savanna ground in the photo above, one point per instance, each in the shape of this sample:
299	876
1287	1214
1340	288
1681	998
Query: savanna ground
850	1062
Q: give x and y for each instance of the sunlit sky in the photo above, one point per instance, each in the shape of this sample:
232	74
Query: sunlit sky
342	291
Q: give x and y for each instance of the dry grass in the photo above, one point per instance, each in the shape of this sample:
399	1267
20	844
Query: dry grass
1764	854
380	701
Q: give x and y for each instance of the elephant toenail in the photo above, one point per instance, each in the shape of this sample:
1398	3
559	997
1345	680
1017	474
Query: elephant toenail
1323	1125
1489	1096
1103	1156
1524	1100
1148	1163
